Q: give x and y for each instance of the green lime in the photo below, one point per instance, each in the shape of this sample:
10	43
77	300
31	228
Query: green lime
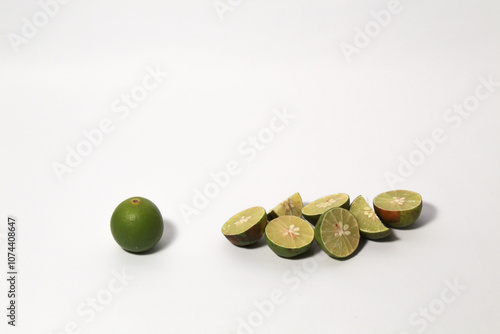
245	227
289	236
370	225
398	208
314	210
292	206
337	233
136	224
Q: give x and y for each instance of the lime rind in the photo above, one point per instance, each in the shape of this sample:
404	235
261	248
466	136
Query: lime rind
292	206
337	233
289	236
370	225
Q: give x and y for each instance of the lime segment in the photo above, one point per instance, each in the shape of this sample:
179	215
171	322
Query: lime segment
314	210
245	227
370	225
292	206
289	236
337	233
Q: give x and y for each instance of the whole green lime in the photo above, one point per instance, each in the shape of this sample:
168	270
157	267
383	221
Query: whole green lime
137	224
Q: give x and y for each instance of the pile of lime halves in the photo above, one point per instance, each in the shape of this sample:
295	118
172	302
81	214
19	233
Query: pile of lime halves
338	225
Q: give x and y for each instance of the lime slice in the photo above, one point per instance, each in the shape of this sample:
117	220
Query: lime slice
337	233
292	206
314	210
246	227
289	236
370	225
398	208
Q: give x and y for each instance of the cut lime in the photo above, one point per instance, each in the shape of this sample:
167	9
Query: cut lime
289	236
246	227
337	233
292	206
398	208
314	210
370	225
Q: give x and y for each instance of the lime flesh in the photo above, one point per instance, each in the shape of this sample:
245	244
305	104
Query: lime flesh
245	227
337	233
137	224
370	225
289	236
314	210
398	208
292	206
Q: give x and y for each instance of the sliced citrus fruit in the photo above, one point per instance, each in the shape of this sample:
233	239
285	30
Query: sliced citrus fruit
289	236
292	206
398	208
337	233
137	224
245	227
314	210
369	223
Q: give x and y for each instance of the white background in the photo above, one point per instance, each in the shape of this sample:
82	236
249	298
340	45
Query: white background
353	122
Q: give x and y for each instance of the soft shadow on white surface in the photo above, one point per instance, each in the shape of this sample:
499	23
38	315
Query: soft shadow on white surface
390	238
260	243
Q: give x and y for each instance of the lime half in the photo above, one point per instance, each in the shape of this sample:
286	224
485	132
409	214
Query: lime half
337	233
314	210
398	208
292	206
289	236
246	227
370	225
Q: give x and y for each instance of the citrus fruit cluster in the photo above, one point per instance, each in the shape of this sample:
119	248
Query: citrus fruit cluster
334	223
